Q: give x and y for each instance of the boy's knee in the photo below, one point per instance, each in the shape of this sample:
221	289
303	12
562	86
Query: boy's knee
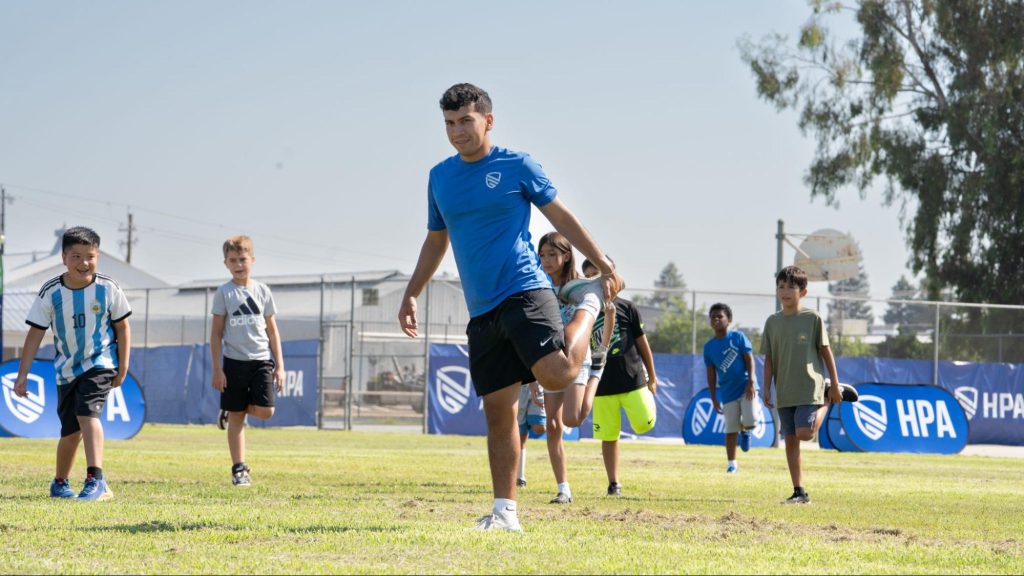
261	412
804	434
554	427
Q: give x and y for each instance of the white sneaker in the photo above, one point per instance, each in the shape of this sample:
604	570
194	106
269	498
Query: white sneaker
499	521
574	291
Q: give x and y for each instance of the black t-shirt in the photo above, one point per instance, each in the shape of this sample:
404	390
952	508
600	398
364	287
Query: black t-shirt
623	369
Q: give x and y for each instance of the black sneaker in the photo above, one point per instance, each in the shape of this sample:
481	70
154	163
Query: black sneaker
520	482
798	498
561	498
849	393
240	476
222	420
615	489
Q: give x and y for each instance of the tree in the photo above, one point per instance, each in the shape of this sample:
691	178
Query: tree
840	310
910	316
668	289
673	333
929	98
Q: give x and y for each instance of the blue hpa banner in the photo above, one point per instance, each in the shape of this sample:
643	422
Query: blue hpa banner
702	425
35	416
452	404
898	418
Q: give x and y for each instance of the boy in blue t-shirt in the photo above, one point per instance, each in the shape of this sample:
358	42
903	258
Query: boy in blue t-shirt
88	314
730	362
480	201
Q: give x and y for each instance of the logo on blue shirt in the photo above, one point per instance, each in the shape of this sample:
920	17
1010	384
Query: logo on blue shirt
492	179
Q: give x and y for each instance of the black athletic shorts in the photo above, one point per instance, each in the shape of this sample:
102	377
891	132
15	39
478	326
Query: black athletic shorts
250	383
84	396
505	342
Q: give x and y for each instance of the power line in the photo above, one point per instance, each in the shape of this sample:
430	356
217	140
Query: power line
177	235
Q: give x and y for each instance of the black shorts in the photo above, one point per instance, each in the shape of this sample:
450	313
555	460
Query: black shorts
250	383
505	342
84	396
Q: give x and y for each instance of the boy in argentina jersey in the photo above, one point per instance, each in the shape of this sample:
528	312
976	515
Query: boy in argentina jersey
88	314
252	368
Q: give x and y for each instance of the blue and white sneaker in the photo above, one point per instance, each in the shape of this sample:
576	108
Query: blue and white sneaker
61	489
95	489
574	291
745	441
732	468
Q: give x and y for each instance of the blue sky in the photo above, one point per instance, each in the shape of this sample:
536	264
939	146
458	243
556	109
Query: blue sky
311	126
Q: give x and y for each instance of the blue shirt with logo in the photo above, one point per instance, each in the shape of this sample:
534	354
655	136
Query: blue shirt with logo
485	206
726	355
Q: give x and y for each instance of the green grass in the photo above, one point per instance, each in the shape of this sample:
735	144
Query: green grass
355	502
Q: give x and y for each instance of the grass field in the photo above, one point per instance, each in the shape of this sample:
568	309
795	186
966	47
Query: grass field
355	502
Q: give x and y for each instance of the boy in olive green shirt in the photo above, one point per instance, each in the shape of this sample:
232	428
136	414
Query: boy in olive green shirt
796	355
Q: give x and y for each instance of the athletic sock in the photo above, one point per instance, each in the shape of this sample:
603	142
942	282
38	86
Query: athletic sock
94	471
799	490
505	506
732	462
522	464
563	487
235	468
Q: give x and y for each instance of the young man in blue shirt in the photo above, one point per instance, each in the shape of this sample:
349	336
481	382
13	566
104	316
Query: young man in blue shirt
480	201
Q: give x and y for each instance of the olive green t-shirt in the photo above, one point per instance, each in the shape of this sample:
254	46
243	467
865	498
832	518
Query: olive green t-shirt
793	343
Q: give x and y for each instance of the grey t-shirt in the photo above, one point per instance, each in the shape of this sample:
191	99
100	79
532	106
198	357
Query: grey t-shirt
246	309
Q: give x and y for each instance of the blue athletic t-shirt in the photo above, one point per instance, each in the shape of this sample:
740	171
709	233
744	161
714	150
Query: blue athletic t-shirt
485	206
726	355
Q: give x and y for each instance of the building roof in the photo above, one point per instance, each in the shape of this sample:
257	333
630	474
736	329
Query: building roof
32	275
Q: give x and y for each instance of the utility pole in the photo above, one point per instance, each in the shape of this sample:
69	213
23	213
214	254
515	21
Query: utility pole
780	237
130	229
3	220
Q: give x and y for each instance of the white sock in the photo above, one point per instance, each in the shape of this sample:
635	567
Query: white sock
505	506
732	462
522	464
563	487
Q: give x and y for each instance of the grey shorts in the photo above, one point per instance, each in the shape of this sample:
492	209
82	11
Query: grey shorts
794	417
742	414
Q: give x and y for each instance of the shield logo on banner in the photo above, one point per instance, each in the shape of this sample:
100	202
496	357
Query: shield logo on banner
870	415
453	388
967	396
702	414
29	408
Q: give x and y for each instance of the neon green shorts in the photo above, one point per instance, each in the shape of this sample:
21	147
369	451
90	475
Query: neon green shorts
640	409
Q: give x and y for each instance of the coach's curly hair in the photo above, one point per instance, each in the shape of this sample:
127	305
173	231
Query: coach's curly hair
461	95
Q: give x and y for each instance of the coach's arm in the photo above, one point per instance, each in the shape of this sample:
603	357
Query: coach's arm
431	255
569	226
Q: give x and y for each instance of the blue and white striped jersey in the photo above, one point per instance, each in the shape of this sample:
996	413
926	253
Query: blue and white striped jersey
82	321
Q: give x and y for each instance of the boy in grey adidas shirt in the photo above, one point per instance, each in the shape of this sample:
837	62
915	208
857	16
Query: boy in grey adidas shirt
245	333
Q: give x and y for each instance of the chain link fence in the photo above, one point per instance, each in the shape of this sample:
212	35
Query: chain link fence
372	374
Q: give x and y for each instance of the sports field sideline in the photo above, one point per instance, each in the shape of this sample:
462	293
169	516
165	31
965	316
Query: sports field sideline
369	502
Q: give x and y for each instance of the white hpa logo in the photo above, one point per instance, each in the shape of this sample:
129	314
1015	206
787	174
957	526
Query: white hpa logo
702	414
967	396
29	408
453	386
871	417
492	179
